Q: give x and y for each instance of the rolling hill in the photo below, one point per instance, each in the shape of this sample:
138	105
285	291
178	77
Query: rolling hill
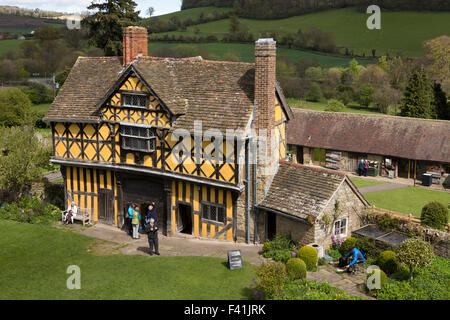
24	24
402	33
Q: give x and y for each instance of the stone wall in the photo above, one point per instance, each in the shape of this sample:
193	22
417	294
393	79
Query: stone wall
350	207
299	231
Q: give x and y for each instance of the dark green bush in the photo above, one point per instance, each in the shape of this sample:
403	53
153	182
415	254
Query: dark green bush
367	246
309	255
30	210
296	268
349	242
314	93
271	278
387	261
335	254
402	274
435	215
282	255
278	249
387	223
322	261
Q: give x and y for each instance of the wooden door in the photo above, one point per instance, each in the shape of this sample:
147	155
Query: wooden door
106	206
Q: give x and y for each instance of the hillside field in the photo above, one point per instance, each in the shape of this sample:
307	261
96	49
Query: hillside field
9	45
193	13
246	52
401	32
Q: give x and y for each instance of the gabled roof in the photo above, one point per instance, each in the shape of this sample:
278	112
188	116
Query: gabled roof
302	191
219	93
409	138
88	81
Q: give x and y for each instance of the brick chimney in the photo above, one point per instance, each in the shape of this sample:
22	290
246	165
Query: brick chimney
265	83
135	43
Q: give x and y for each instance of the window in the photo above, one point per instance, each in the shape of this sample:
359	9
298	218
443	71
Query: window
213	213
132	100
138	138
340	227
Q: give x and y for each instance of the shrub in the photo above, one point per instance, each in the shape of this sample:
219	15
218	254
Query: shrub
366	95
267	246
309	255
30	210
387	261
335	254
322	261
271	278
313	290
334	105
282	241
367	246
296	268
383	279
415	253
435	215
314	93
349	242
402	274
387	223
282	255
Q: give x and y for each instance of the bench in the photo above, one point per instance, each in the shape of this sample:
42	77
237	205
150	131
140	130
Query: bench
83	214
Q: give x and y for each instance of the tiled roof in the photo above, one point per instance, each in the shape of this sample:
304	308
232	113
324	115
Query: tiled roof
409	138
89	80
301	191
221	94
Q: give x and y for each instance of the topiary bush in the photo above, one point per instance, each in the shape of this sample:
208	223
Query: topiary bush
309	255
349	242
388	262
415	253
435	215
296	268
383	279
271	278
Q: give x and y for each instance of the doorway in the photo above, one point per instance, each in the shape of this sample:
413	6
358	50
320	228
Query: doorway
106	207
271	225
185	219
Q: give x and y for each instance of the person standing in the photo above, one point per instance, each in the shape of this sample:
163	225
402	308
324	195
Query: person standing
135	223
130	218
152	232
366	168
361	167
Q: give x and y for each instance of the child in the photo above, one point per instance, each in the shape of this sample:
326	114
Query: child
152	231
135	223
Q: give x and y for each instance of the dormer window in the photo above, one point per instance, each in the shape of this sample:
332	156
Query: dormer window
134	101
141	139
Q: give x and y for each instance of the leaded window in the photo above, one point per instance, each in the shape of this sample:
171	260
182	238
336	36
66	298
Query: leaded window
133	100
213	212
340	227
138	138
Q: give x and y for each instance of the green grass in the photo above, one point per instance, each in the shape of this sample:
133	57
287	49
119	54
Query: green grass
193	13
360	183
246	52
401	32
406	200
34	260
321	106
9	45
43	107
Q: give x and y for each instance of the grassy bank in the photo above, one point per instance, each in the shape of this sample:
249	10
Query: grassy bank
35	259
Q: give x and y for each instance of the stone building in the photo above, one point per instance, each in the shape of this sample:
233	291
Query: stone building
311	204
401	147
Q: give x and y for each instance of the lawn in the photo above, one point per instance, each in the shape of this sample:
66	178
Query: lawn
9	45
321	106
360	183
43	107
193	13
401	32
247	52
406	200
34	260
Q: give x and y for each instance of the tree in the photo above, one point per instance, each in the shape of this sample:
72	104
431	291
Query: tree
105	27
314	93
440	103
334	105
150	11
438	52
8	70
366	95
15	108
435	215
21	157
418	97
415	253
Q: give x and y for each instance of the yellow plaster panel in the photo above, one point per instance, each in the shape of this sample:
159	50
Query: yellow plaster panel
130	158
196	225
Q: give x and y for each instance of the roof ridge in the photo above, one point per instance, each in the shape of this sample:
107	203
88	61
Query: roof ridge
318	169
364	115
197	59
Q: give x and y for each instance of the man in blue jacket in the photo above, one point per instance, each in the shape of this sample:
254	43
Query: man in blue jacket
358	257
